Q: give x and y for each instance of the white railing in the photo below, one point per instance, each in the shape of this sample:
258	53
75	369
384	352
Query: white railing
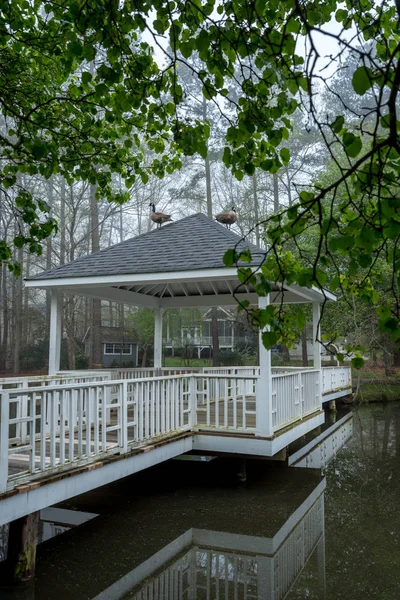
60	379
46	429
204	340
294	396
66	425
226	402
141	372
19	407
335	379
61	423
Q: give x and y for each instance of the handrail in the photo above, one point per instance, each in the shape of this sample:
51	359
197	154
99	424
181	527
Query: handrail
111	383
295	373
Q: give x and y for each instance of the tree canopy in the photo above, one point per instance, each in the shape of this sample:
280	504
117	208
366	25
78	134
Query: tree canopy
88	87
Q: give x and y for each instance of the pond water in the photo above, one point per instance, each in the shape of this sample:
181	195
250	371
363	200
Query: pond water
192	530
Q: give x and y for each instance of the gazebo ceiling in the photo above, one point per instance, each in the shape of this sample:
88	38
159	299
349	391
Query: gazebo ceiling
176	266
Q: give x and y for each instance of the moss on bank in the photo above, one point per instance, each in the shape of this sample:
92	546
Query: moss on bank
380	391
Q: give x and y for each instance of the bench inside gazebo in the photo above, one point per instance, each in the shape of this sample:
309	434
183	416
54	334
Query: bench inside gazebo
72	418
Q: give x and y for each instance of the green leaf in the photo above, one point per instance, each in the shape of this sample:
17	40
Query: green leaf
352	144
357	362
362	80
86	77
306	197
89	52
75	48
337	124
269	339
245	256
285	155
243	305
39	149
230	258
186	49
334	284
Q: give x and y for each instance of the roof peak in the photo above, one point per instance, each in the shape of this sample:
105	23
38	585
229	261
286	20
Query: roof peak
157	230
194	242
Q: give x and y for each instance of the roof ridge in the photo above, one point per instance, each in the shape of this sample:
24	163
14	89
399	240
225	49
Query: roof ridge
229	233
172	247
142	235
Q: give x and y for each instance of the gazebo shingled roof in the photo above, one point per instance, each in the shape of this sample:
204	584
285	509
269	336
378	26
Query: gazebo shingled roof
179	265
194	242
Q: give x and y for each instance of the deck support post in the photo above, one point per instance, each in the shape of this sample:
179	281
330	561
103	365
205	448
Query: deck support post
157	338
19	567
241	470
264	384
55	332
316	315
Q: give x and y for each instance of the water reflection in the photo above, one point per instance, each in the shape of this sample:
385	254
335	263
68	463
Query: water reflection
188	531
319	448
53	522
215	564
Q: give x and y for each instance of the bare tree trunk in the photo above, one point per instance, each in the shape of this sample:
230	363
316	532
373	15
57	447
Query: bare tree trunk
96	354
256	209
388	366
215	336
285	353
289	191
304	352
62	223
17	306
49	248
276	193
25	293
4	346
144	356
207	169
70	331
214	310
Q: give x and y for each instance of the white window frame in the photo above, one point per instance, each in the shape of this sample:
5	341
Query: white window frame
118	349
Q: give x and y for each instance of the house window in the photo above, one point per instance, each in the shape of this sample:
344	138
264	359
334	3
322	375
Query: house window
118	349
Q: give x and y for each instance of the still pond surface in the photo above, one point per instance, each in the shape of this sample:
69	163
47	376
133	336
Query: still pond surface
191	530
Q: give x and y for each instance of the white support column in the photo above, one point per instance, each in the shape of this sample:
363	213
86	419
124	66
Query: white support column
264	384
316	313
55	332
157	337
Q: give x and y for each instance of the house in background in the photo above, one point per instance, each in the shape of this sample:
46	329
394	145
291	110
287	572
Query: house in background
193	328
118	349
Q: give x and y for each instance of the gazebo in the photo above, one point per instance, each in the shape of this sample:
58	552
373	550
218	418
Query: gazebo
180	265
69	432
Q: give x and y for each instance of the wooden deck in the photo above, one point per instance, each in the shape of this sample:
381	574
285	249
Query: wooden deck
56	431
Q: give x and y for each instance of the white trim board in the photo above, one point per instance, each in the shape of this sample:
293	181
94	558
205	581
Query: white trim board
254	446
21	504
105	281
335	395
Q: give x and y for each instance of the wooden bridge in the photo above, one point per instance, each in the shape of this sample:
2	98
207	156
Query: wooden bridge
56	432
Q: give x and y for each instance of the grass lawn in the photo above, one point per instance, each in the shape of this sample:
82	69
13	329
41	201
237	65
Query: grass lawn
176	361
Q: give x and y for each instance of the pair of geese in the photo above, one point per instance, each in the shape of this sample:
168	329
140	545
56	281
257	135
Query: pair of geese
227	218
